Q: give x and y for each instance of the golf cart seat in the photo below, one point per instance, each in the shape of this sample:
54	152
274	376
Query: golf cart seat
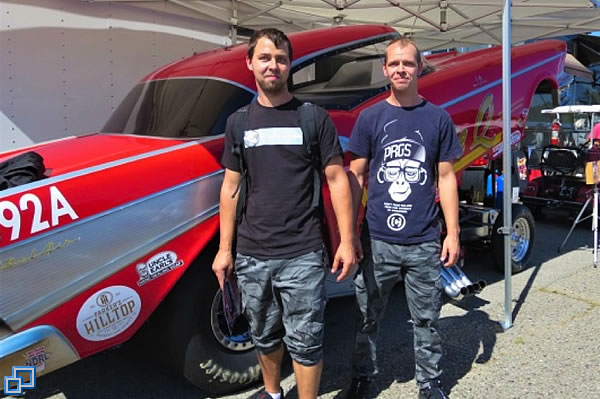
562	161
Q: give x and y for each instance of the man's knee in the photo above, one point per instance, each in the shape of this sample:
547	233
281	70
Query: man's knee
304	341
306	356
265	349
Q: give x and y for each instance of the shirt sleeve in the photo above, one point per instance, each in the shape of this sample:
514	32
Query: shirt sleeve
450	148
328	139
228	159
359	143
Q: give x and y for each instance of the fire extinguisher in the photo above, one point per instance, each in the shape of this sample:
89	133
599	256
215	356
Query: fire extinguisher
555	130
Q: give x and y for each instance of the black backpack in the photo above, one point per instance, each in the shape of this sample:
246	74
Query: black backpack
308	124
21	169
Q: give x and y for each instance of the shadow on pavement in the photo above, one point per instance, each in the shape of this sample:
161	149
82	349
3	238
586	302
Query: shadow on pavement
463	338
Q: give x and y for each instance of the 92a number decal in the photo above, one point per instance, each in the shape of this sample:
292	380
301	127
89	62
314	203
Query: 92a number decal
11	214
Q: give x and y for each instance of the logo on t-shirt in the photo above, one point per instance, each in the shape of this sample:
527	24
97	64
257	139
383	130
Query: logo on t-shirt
402	167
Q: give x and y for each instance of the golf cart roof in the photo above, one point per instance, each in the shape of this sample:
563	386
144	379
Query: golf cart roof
569	109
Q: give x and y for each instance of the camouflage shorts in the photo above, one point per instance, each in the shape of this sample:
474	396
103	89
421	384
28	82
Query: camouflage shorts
284	300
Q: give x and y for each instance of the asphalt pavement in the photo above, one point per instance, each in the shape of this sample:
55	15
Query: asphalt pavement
551	351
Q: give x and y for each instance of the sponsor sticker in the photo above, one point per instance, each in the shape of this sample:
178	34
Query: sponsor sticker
36	358
108	312
514	138
156	266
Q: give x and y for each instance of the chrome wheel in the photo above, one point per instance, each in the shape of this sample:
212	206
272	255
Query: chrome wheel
520	239
236	340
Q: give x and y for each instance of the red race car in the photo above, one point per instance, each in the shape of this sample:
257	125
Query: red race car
122	229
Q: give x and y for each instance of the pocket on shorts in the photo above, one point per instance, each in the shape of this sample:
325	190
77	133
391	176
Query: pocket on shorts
437	295
242	262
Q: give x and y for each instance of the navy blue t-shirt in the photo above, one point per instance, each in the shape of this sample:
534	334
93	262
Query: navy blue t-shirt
404	146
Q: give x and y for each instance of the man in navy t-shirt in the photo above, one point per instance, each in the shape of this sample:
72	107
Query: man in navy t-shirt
407	146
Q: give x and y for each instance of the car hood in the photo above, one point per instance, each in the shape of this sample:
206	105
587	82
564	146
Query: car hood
76	153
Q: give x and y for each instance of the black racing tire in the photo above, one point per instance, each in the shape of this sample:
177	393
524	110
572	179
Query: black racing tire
538	212
195	339
522	239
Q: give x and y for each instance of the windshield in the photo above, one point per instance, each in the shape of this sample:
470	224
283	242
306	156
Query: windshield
193	107
342	79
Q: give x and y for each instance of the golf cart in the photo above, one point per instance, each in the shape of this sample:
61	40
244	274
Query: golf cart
559	180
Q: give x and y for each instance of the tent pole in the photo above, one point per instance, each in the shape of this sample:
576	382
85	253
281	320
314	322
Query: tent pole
507	158
233	23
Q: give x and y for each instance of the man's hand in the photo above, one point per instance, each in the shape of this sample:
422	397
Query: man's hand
345	256
450	250
222	266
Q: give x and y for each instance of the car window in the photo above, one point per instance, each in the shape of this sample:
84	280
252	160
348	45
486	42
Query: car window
342	79
178	108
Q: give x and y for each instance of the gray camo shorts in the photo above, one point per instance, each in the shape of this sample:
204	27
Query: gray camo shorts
284	300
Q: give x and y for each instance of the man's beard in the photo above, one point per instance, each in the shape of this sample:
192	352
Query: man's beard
273	87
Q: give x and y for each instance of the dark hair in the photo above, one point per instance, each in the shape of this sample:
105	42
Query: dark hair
404	41
278	38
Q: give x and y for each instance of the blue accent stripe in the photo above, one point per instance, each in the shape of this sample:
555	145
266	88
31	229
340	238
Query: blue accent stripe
497	82
343	142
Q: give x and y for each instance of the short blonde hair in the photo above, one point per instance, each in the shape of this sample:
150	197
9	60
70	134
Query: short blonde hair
403	42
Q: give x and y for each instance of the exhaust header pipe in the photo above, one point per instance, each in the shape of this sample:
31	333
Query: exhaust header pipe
457	285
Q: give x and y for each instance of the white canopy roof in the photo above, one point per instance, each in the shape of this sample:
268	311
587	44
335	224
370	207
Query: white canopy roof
436	24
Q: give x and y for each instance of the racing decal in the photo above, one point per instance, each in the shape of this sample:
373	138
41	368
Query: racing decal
12	214
401	169
156	266
477	139
515	137
36	358
108	313
522	168
47	250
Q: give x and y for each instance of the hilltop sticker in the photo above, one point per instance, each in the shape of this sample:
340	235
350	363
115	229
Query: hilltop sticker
108	313
156	266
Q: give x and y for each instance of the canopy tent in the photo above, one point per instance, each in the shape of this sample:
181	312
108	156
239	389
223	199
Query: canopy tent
434	24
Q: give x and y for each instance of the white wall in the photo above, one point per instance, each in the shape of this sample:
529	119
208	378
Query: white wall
66	64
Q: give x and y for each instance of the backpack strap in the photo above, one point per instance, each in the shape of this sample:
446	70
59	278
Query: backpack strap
308	123
238	121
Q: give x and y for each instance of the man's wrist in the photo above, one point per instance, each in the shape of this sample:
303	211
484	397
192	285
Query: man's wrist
347	239
453	234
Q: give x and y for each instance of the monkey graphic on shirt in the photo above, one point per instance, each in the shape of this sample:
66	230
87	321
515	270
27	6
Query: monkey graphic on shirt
401	168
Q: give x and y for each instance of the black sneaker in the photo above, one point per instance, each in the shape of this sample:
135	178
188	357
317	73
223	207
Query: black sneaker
263	394
358	388
433	390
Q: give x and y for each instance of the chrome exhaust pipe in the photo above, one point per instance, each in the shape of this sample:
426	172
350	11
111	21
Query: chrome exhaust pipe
457	285
462	281
478	286
451	288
